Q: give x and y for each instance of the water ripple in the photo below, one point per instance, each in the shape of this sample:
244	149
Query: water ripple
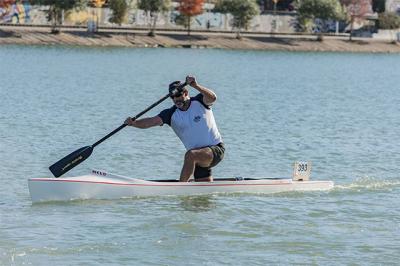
340	111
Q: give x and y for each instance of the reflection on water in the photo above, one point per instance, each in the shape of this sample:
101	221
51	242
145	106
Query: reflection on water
201	203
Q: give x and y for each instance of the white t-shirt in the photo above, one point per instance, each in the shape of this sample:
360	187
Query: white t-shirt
196	126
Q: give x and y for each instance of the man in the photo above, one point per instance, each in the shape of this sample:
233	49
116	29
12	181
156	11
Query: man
193	122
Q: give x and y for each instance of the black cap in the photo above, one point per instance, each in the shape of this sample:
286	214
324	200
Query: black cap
176	86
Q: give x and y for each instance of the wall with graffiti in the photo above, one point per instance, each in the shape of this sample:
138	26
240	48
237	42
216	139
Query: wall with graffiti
23	13
206	21
12	12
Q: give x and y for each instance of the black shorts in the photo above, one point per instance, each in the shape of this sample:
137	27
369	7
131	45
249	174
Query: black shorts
218	154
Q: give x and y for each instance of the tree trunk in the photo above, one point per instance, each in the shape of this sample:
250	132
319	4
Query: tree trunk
351	28
188	23
152	32
320	34
54	20
238	36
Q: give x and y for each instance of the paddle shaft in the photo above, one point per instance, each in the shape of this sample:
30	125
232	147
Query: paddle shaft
133	118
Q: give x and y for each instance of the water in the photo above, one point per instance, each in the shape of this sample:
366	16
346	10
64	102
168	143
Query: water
340	111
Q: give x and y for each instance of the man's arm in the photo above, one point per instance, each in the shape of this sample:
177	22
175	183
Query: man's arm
209	97
144	122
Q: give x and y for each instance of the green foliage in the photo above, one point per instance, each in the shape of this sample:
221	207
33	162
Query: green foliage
154	6
82	4
119	10
388	21
309	10
59	4
242	11
54	13
322	9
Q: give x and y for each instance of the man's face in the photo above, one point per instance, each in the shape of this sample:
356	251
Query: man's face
180	99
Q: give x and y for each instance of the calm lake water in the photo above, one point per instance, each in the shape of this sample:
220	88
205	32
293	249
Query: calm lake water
340	111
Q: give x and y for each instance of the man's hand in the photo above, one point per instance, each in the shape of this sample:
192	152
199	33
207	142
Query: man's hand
144	122
209	96
191	80
130	122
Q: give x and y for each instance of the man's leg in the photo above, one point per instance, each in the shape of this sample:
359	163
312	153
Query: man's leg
202	157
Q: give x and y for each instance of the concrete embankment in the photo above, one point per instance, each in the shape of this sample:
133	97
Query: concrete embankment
134	38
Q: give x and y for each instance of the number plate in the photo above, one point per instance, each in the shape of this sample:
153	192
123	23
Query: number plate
301	171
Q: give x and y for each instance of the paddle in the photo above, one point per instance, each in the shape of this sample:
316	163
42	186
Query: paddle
78	156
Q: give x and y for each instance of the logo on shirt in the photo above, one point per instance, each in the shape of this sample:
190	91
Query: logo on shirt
197	118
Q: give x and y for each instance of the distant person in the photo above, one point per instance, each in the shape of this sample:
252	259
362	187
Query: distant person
193	122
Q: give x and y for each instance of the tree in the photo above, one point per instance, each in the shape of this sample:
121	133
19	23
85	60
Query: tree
309	10
56	9
356	9
190	8
119	9
153	7
242	11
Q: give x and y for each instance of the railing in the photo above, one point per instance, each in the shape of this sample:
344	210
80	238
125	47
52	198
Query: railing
181	30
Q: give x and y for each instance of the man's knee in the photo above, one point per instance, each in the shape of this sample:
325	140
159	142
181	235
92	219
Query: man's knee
190	155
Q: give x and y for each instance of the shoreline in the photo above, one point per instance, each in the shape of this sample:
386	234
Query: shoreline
179	39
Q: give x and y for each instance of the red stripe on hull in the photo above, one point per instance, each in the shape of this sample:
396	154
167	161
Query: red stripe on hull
154	185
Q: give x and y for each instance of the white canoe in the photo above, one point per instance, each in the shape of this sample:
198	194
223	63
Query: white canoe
103	185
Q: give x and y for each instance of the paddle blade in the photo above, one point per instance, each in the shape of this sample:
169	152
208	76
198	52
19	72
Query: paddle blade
70	161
